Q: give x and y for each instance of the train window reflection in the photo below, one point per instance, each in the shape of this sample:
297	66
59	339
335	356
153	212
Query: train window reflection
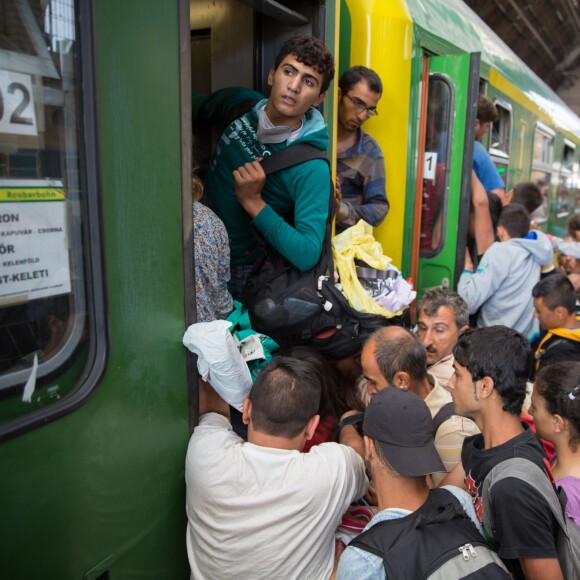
502	130
543	147
542	179
436	168
42	289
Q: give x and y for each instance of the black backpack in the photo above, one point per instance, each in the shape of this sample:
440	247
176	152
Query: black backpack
438	541
305	308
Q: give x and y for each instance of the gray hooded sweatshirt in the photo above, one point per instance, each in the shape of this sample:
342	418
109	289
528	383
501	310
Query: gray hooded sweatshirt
502	285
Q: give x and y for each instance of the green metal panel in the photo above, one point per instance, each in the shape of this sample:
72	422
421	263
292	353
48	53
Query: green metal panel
105	484
453	22
439	269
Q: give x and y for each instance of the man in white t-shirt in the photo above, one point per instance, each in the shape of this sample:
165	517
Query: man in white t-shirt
263	509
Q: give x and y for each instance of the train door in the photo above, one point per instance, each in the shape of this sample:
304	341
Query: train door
448	119
235	45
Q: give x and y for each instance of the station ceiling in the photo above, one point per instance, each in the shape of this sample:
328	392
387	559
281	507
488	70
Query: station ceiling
544	34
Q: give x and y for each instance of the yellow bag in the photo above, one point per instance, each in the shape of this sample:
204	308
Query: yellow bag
358	243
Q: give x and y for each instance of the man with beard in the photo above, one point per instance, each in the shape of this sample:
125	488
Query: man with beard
443	315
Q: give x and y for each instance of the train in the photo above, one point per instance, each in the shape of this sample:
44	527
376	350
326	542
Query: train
98	396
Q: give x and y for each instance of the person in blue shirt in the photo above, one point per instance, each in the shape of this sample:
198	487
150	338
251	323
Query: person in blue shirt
482	164
360	161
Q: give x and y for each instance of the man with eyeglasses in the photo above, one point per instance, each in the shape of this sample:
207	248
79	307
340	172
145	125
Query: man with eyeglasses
360	162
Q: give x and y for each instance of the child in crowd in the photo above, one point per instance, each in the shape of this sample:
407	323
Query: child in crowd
212	260
556	411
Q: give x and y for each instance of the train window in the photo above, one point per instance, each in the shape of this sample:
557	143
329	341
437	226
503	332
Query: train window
501	131
44	280
543	146
436	169
566	185
568	155
543	157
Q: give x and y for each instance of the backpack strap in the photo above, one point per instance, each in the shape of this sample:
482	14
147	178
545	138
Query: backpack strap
441	416
525	470
291	156
240	109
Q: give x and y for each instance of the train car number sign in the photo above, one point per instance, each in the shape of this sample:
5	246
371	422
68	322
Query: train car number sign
34	256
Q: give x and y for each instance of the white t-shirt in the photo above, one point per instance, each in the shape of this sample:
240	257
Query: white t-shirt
259	512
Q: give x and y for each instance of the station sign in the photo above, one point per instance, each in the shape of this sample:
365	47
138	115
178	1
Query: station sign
34	253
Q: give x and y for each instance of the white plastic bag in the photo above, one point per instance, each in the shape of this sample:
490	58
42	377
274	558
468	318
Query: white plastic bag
219	362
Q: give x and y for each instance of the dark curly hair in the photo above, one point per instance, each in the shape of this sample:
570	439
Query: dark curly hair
312	52
555	383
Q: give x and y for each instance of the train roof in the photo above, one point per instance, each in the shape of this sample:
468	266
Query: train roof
464	29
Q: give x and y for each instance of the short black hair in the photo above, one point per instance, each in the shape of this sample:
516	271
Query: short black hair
435	298
404	352
310	51
515	219
556	290
285	396
555	382
502	354
486	110
326	374
355	74
529	195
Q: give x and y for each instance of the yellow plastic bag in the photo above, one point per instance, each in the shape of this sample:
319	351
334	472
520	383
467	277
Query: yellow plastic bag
358	243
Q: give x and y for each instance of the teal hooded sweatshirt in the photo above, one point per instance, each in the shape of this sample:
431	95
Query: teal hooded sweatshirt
294	219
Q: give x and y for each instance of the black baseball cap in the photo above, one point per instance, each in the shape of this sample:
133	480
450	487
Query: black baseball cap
400	422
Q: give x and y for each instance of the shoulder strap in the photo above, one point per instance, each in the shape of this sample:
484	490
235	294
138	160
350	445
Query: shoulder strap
291	156
442	415
525	470
240	109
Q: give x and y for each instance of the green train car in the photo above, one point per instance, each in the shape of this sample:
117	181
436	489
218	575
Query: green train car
97	395
434	58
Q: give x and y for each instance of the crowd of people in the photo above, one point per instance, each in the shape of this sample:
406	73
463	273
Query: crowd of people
423	426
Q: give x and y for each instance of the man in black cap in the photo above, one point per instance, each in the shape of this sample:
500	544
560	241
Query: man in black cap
399	452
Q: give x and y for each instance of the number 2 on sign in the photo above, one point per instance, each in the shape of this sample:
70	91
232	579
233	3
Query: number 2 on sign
17	113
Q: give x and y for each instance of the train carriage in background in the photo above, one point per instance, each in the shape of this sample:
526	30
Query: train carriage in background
96	284
434	58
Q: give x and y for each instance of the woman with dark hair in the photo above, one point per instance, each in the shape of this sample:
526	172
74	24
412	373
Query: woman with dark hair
556	411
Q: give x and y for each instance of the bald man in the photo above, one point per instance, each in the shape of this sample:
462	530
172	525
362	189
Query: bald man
393	357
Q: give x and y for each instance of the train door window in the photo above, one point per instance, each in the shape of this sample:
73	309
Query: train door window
543	157
45	319
500	140
436	169
567	198
566	185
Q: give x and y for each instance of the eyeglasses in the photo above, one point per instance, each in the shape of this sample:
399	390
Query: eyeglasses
360	106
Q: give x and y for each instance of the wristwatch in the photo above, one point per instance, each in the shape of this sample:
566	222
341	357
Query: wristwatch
355	420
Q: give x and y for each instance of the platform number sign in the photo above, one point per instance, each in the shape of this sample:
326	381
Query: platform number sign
17	113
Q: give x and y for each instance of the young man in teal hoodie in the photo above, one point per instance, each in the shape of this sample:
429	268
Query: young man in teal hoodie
290	208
